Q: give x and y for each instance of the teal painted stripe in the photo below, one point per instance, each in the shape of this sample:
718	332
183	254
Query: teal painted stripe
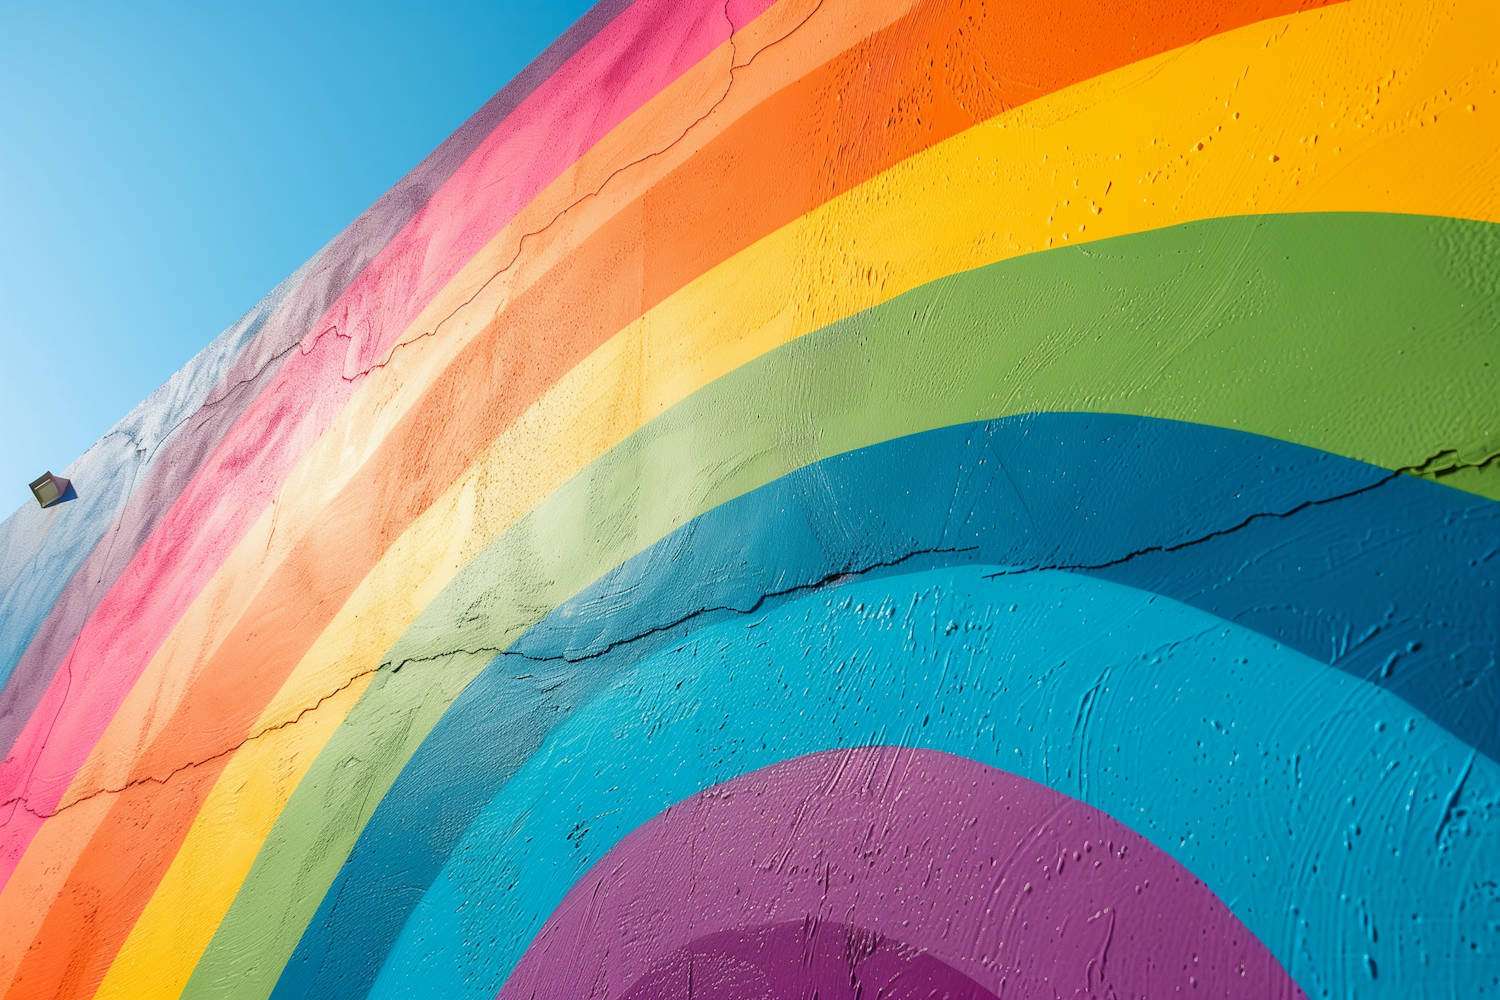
1191	323
1354	837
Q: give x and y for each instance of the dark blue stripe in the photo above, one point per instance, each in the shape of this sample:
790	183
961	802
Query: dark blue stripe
1386	576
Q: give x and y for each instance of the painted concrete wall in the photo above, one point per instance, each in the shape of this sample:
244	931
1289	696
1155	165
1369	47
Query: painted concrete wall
879	497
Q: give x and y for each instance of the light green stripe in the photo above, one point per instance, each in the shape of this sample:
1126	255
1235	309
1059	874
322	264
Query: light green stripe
1371	336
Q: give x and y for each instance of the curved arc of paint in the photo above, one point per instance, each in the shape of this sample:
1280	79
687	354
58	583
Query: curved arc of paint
265	557
876	366
294	702
952	859
356	693
910	335
301	381
1475	396
681	51
1227	522
182	950
41	550
1038	491
783	256
645	47
152	698
326	401
290	310
883	375
1144	677
803	958
300	700
112	759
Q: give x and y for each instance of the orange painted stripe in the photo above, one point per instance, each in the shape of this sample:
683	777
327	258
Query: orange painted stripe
778	162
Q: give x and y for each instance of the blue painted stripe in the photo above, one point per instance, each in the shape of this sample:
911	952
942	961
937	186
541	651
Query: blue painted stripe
1273	778
1047	490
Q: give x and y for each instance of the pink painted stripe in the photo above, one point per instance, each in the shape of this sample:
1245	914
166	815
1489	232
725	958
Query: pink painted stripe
646	47
1013	886
319	283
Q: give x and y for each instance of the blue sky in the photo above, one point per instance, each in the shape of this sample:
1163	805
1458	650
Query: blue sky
164	165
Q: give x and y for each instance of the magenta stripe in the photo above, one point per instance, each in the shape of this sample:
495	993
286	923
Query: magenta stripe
644	48
1014	886
324	279
327	277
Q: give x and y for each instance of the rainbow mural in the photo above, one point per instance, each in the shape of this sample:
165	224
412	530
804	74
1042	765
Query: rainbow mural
839	498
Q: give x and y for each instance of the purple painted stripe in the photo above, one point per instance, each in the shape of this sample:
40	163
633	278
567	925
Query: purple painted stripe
1013	886
804	959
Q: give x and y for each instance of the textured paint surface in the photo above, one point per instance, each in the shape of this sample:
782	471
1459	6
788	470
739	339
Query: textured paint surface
1030	665
898	839
785	432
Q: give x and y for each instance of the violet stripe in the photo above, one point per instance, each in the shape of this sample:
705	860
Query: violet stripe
1019	888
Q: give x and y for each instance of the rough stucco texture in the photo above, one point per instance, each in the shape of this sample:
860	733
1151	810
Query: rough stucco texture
816	498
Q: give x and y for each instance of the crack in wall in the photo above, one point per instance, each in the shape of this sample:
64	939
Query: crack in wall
22	802
1447	462
827	579
1438	460
837	576
1148	550
734	65
230	390
1435	468
140	449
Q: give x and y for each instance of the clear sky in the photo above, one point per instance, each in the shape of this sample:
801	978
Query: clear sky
163	165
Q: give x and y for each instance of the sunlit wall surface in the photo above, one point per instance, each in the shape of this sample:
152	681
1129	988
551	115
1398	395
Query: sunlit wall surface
868	497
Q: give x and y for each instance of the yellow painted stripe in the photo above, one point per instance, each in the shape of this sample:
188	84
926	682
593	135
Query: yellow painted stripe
224	838
653	141
560	219
1298	114
178	923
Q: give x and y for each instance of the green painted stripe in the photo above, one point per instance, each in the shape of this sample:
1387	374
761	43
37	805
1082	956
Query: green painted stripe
1371	336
